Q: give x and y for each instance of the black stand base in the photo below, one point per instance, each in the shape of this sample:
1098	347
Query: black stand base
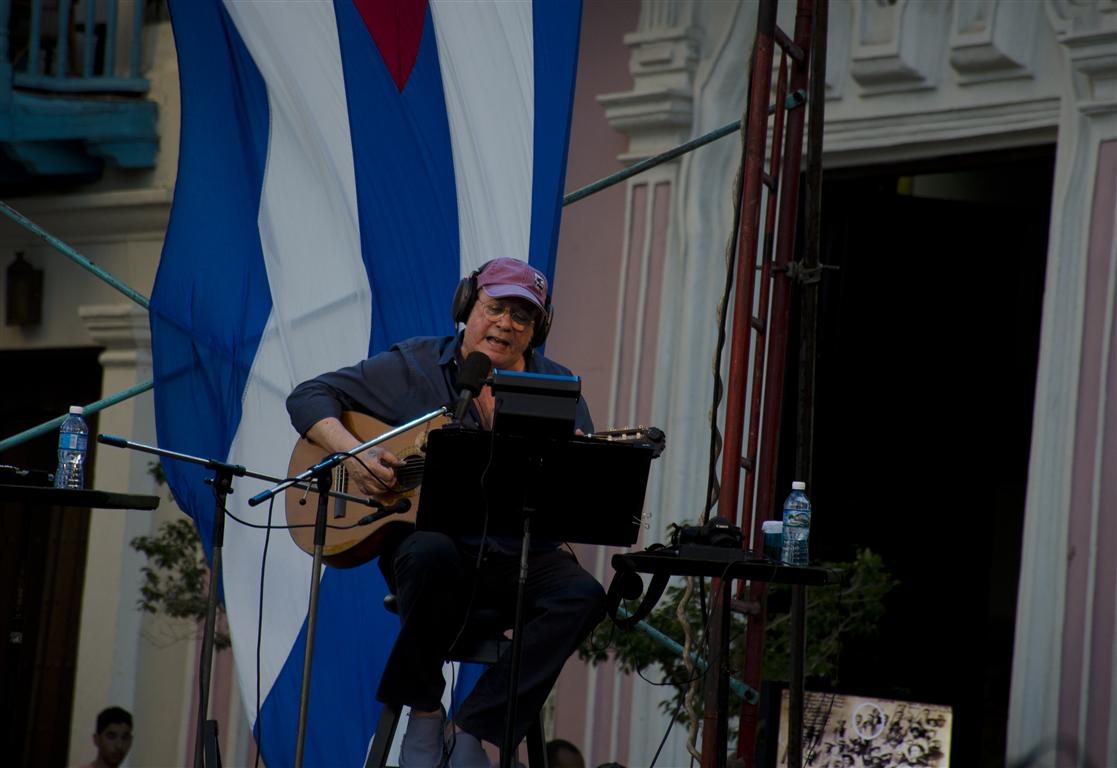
508	748
210	749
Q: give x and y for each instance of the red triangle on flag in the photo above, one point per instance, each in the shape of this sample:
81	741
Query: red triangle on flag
396	27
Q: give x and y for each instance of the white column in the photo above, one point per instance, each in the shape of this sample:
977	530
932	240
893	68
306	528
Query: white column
689	65
126	658
1088	34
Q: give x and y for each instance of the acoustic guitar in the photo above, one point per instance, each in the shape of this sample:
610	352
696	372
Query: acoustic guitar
350	547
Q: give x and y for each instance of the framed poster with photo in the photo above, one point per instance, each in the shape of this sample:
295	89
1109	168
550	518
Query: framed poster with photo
843	731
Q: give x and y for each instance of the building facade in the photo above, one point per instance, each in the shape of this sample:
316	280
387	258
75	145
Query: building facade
911	85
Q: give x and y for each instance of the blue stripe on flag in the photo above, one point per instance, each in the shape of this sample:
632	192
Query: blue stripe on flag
210	300
555	26
407	207
351	647
406	198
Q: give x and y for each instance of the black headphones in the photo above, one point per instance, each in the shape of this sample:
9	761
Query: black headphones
466	294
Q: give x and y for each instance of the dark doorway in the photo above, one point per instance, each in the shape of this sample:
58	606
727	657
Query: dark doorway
42	560
928	339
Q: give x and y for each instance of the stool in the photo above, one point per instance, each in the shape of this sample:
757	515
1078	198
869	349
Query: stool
482	642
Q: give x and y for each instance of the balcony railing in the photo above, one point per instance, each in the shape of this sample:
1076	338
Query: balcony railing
76	46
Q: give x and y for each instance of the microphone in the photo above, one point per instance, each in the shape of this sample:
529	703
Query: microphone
398	508
474	370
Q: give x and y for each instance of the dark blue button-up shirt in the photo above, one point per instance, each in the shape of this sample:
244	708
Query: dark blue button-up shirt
411	379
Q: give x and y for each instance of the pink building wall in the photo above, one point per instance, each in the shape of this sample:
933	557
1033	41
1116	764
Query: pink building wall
590	240
1085	696
588	280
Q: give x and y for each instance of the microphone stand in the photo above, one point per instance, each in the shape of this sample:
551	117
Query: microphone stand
206	754
205	735
322	473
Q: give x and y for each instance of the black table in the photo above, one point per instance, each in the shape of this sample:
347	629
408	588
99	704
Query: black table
728	564
68	497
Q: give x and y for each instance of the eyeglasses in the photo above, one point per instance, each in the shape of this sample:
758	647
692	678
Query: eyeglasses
522	319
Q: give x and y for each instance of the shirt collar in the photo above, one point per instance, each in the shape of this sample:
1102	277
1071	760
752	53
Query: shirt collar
450	349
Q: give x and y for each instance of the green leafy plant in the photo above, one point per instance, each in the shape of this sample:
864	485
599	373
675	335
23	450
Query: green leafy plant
834	615
176	577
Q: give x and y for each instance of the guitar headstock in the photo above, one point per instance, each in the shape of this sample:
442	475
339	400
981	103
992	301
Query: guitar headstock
652	436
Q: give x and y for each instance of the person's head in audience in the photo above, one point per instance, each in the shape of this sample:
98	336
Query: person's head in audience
562	754
113	737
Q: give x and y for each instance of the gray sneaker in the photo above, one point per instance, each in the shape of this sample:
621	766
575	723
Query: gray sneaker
423	745
466	752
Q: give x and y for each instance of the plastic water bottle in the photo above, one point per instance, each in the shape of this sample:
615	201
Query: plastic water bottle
73	444
796	525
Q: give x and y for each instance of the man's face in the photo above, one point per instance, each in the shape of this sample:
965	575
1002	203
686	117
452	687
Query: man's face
498	337
113	743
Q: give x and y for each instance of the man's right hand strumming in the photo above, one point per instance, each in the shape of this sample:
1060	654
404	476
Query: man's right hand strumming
332	435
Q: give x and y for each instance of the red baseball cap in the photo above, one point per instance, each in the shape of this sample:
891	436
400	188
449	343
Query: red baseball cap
506	277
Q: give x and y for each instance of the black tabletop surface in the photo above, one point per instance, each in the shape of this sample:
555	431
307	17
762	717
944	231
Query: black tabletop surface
67	497
725	563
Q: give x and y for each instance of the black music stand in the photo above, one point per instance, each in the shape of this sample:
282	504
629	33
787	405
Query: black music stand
578	489
573	489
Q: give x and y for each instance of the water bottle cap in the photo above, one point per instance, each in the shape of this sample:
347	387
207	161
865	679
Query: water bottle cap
772	526
77	409
798	485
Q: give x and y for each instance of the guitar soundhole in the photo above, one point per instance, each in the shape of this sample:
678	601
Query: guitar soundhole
410	474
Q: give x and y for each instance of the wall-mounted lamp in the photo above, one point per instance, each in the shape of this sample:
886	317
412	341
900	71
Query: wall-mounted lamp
25	293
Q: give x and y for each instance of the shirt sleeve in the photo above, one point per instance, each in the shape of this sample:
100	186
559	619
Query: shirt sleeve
371	386
582	418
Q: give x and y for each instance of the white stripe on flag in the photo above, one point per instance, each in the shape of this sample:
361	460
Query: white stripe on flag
311	245
486	54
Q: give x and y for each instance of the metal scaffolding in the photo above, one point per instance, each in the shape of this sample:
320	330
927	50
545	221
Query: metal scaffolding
766	273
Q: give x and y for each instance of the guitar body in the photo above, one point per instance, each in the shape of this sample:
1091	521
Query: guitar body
354	546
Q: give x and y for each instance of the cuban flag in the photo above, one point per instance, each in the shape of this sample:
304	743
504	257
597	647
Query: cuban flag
342	165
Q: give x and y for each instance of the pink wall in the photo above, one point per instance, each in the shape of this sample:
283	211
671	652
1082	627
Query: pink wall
591	237
587	281
1089	618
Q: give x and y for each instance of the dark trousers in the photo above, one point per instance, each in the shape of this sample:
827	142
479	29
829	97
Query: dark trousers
434	577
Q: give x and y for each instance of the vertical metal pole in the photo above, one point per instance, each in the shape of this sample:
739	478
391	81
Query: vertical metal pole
222	486
758	589
723	680
795	686
137	36
808	326
760	358
90	39
62	50
35	37
755	138
323	479
5	47
109	67
509	745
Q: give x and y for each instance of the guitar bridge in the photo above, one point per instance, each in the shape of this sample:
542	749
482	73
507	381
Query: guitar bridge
341	484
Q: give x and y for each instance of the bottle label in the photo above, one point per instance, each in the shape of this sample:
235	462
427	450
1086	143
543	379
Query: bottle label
799	518
72	441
